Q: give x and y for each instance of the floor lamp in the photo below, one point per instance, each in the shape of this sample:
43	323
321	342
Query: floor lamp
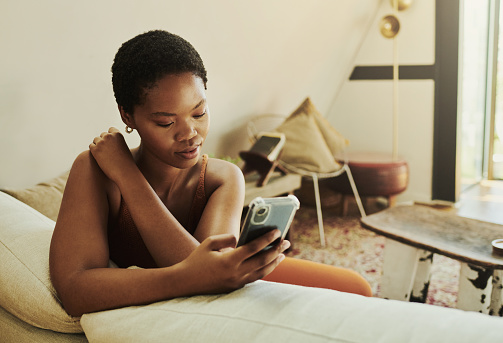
389	27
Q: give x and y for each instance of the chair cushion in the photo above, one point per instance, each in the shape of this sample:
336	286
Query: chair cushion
311	142
25	286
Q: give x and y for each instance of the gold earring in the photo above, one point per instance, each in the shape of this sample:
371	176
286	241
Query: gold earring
128	129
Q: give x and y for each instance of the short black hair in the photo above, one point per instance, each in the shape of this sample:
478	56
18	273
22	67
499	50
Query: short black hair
145	59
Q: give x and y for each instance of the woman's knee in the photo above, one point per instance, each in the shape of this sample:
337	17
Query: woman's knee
313	274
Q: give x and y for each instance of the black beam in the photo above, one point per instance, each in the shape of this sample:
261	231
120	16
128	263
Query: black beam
446	100
405	72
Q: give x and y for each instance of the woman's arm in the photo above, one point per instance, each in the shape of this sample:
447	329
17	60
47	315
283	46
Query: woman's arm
223	210
79	255
151	216
79	249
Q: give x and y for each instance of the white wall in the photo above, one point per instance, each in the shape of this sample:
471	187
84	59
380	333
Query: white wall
362	110
262	56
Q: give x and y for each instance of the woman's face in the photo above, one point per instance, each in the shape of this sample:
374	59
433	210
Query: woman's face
174	120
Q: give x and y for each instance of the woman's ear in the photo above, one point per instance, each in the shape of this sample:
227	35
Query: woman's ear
127	118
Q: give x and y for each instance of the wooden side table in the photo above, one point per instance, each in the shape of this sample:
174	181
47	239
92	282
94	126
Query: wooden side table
375	174
417	232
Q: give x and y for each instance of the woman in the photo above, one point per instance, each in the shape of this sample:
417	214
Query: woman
161	206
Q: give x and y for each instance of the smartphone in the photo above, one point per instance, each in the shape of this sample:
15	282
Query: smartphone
269	144
266	214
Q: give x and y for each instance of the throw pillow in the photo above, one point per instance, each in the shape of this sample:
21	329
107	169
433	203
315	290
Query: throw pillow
311	142
45	197
334	140
305	147
25	284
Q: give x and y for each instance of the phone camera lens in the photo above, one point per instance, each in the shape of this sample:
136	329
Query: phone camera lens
262	211
261	214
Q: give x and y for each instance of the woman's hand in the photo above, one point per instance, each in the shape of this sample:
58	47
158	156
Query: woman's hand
112	154
216	266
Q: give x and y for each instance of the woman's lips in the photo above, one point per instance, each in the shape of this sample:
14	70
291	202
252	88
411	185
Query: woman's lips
189	153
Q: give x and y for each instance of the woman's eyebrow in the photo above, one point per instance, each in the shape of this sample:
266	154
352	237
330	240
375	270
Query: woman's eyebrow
167	114
163	114
200	103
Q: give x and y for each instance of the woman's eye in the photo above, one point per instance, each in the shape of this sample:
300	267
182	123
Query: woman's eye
165	125
200	115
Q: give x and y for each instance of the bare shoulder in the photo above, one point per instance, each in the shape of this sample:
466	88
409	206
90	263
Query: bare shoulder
89	197
86	173
85	165
223	172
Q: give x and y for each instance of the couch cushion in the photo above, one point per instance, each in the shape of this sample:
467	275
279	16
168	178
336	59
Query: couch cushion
25	286
272	312
45	197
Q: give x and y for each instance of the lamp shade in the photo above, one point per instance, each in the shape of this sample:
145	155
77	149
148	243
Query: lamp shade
389	26
402	4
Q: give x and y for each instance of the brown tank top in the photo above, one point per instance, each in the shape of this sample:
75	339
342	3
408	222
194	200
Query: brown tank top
124	241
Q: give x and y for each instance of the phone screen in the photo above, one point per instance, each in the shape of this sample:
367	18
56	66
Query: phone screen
262	230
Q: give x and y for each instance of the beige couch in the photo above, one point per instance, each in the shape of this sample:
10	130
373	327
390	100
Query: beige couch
261	312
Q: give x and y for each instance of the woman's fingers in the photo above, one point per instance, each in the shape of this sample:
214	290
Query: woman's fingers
264	258
220	266
111	138
112	154
251	248
260	273
256	262
110	131
103	134
219	242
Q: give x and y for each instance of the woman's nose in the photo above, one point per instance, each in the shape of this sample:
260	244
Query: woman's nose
187	132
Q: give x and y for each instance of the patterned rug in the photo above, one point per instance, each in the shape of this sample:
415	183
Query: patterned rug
351	246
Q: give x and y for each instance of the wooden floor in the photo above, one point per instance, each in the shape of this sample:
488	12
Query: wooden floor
483	202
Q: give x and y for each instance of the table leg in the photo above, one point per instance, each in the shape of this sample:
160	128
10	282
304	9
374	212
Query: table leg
475	288
496	306
423	276
391	200
399	270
